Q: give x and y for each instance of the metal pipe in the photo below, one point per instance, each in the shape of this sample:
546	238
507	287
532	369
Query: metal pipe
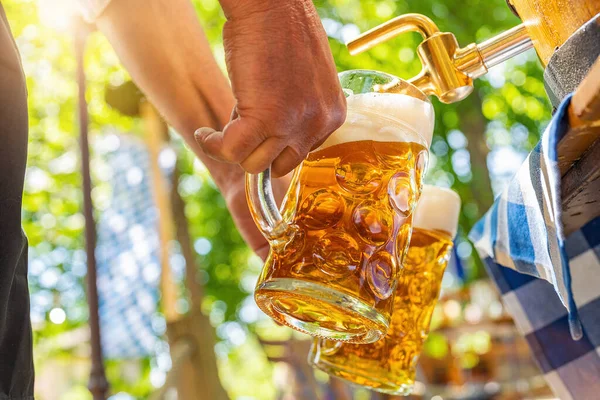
506	45
394	27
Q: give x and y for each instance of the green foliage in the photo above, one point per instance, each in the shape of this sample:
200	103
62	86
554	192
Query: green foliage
503	116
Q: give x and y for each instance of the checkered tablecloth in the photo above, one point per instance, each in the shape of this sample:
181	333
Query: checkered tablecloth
128	258
549	283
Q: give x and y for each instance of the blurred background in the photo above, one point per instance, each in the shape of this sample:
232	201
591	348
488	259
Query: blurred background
479	143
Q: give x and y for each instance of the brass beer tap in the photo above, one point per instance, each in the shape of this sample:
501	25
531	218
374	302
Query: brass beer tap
448	70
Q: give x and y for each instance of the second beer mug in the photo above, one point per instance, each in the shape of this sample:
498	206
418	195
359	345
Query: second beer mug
337	246
390	365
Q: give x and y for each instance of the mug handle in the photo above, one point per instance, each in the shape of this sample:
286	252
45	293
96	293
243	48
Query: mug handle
263	208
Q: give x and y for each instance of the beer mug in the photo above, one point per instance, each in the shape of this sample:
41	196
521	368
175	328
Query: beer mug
337	246
389	365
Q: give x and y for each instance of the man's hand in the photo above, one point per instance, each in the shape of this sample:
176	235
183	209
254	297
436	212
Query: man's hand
288	97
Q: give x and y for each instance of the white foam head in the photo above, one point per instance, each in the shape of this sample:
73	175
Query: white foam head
385	117
438	209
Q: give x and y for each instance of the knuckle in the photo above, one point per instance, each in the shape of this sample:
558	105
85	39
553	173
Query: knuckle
337	114
266	128
330	114
260	125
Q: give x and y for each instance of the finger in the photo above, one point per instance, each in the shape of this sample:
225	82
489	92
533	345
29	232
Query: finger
237	141
285	162
201	135
264	155
211	142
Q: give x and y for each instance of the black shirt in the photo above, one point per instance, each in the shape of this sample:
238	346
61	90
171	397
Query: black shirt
16	363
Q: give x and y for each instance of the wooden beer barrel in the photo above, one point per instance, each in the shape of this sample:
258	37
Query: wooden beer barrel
566	37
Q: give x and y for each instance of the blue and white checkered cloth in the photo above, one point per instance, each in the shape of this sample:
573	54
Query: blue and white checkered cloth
549	283
128	257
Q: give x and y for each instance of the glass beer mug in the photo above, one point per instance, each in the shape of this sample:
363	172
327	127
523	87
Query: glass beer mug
389	365
337	246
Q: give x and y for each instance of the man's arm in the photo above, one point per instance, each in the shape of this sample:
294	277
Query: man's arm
286	96
163	46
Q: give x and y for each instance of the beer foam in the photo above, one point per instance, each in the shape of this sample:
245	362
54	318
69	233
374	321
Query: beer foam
438	209
385	117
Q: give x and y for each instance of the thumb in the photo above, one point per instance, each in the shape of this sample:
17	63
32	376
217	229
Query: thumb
211	142
239	139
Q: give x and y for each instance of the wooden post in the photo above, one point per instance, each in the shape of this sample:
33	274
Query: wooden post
155	131
191	336
98	384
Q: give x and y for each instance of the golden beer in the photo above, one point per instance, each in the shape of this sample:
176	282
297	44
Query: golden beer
389	365
348	216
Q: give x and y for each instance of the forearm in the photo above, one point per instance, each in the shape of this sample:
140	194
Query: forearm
244	8
163	46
